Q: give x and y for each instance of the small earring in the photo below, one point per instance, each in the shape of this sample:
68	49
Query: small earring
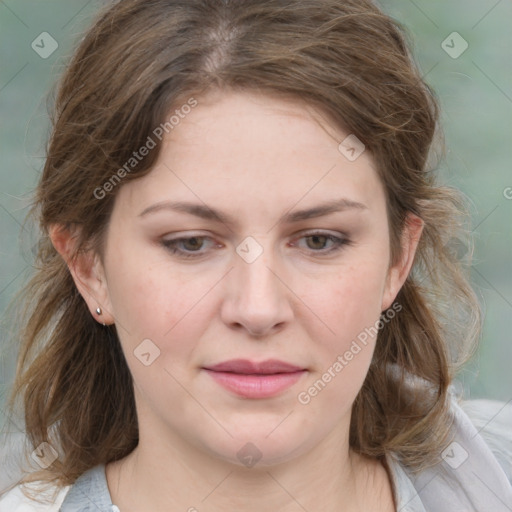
98	312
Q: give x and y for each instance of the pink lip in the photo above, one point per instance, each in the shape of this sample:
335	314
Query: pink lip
248	367
255	380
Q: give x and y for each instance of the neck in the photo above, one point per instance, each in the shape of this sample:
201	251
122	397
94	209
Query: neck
173	476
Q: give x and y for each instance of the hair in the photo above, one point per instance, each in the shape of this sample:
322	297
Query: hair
142	59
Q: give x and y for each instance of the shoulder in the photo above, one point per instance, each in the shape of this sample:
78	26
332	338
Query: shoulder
47	501
475	466
89	492
493	422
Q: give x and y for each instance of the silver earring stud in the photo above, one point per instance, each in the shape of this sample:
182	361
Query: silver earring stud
98	312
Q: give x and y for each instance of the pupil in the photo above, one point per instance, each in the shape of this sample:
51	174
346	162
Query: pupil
315	238
194	243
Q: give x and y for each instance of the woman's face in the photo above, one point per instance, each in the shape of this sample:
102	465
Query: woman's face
276	248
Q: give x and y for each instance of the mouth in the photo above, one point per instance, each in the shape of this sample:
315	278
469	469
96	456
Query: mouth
255	380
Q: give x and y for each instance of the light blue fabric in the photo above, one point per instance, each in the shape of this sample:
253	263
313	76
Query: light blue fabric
89	493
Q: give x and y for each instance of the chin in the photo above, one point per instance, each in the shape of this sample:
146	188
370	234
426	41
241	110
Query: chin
257	449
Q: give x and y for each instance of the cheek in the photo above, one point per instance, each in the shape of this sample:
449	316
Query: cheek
150	302
148	296
159	318
349	307
349	302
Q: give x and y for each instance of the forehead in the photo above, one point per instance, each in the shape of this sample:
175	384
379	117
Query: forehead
237	147
261	117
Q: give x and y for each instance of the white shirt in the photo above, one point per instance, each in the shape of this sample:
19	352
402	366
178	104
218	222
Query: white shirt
475	473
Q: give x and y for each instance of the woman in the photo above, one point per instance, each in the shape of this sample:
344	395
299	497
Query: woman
245	296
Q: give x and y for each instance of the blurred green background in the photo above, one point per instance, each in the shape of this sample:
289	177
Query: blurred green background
475	91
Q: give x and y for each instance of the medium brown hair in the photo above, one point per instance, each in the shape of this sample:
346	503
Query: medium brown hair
138	62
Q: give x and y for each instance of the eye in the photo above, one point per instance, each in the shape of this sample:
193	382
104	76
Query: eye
187	247
324	243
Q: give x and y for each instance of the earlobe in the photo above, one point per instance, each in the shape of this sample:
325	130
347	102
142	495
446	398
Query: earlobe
397	274
87	272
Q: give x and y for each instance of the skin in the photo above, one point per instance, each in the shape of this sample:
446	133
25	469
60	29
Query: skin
255	158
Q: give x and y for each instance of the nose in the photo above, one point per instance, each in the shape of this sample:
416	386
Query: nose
257	298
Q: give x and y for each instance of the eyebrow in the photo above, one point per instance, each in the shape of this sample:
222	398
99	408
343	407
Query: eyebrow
205	212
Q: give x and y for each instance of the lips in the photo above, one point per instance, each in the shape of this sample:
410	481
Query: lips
246	367
249	379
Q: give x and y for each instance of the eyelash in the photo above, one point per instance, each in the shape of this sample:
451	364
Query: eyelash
339	243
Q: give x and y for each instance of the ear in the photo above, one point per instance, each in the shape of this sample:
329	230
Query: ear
87	272
397	274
